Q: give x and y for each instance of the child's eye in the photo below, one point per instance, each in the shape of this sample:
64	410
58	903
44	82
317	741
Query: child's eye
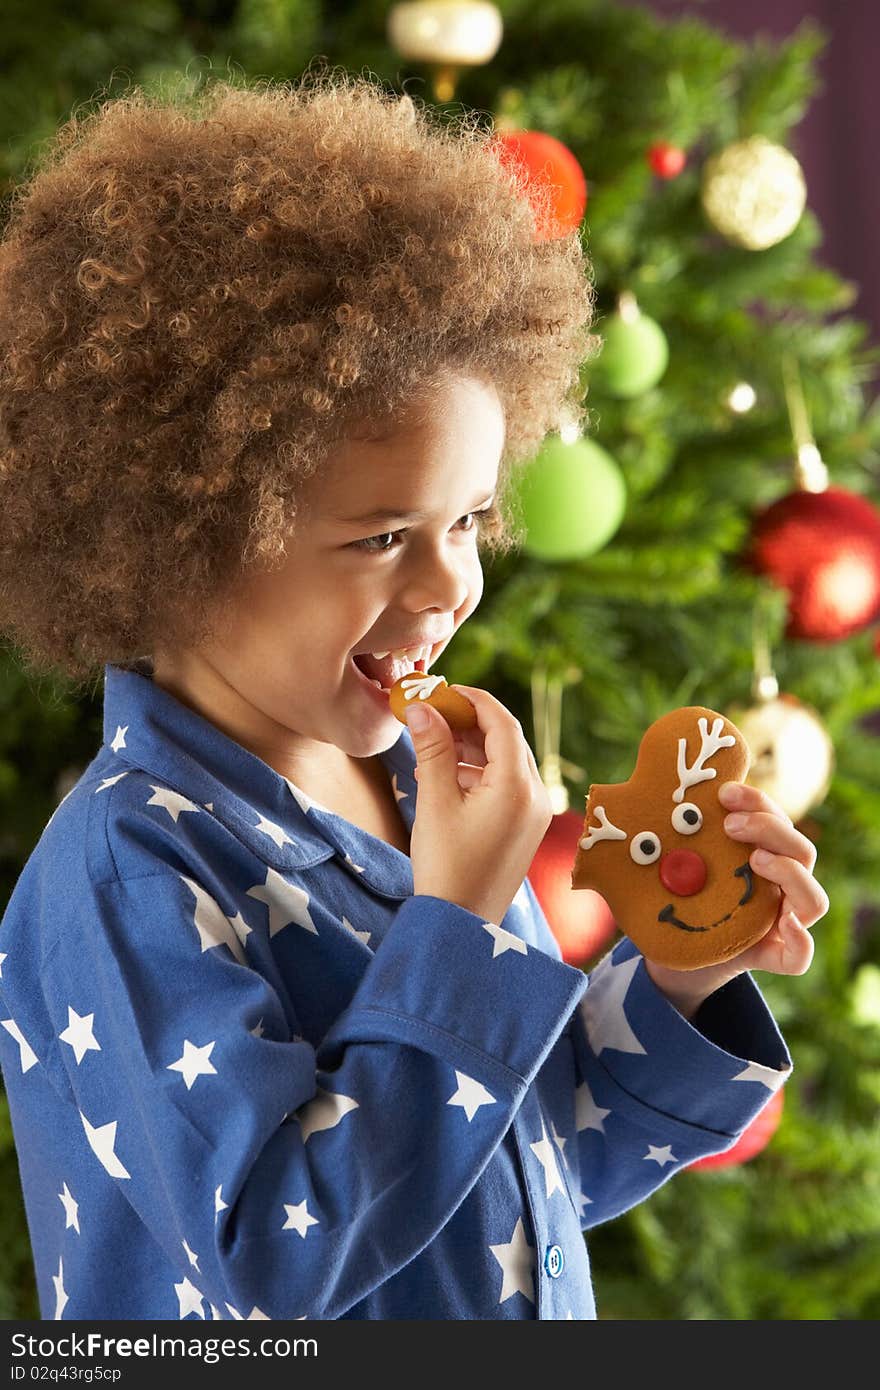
367	542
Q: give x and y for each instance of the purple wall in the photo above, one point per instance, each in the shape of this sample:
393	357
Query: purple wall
835	140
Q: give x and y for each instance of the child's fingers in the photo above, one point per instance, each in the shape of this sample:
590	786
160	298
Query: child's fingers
507	755
742	796
471	743
787	948
470	746
767	831
469	776
805	895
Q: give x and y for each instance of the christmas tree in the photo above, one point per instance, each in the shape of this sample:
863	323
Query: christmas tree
731	382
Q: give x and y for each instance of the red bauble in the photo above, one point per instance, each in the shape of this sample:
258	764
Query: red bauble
753	1139
824	548
538	160
666	160
581	921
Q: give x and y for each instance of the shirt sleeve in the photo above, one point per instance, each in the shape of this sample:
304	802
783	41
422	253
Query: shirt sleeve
300	1177
655	1091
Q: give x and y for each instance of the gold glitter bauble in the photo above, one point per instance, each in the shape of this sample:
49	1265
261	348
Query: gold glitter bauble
465	32
753	192
792	752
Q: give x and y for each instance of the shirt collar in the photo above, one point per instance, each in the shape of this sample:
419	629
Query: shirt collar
147	726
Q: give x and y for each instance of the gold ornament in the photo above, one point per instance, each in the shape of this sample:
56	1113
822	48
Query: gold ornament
449	34
753	192
792	753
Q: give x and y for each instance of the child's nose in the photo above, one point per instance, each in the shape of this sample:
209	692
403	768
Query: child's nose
683	872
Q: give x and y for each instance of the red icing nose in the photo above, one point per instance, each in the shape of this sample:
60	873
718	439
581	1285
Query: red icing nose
683	872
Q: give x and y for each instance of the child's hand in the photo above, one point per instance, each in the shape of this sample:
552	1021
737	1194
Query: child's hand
478	824
789	858
470	752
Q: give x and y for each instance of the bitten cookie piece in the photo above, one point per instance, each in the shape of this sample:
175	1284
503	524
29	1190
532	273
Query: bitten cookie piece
655	846
458	712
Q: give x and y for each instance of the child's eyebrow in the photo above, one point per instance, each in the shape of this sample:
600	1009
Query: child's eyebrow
390	514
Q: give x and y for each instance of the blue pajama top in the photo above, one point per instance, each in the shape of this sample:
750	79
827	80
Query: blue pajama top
252	1075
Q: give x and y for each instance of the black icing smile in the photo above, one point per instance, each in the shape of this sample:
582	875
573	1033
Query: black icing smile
744	871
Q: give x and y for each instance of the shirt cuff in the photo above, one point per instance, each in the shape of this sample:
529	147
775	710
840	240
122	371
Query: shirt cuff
716	1072
463	989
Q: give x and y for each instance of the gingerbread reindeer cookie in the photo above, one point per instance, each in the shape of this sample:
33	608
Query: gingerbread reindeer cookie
655	846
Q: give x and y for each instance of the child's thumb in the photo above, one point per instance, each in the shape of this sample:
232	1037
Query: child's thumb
434	744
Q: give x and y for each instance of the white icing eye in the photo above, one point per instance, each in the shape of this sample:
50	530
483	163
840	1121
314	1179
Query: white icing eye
687	818
645	847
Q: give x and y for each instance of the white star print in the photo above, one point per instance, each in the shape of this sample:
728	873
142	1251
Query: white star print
588	1115
357	868
275	832
119	738
363	936
254	1315
79	1035
662	1155
70	1209
193	1259
470	1095
286	903
211	922
504	940
324	1112
240	927
107	782
601	1007
258	1031
766	1075
543	1151
305	802
298	1218
60	1296
581	1201
28	1057
515	1259
189	1299
173	802
194	1062
219	1204
398	794
3	955
103	1140
58	807
559	1141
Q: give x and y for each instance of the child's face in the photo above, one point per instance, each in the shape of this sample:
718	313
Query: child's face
281	680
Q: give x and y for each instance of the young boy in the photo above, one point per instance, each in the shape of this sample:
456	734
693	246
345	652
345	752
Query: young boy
285	1033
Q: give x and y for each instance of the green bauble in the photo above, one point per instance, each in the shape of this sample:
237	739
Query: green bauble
634	354
571	499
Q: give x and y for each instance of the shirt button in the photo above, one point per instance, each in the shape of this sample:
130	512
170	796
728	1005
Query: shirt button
554	1261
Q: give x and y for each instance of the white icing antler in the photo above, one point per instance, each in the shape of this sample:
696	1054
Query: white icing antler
603	831
710	743
419	686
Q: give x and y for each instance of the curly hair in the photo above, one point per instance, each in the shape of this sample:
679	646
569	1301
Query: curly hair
200	296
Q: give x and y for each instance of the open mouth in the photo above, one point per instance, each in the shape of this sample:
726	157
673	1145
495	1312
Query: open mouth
379	675
744	872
